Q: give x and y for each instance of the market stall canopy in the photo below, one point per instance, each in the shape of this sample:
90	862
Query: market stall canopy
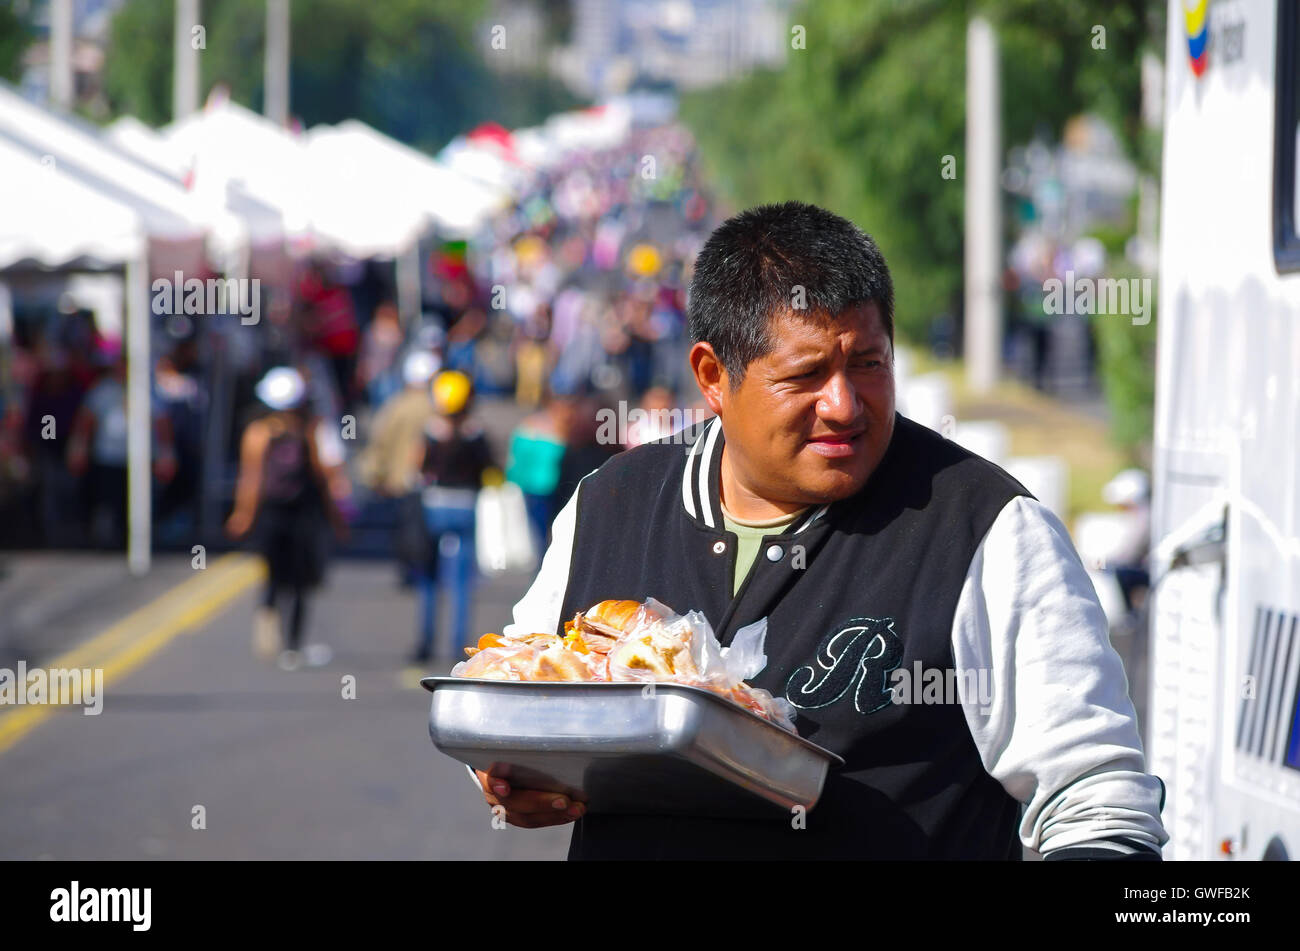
177	223
593	129
485	156
52	220
263	220
508	158
346	189
390	191
227	144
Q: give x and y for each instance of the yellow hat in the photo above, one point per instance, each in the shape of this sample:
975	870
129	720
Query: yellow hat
644	261
530	249
451	392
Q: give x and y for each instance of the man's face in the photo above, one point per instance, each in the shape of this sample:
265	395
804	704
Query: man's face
811	420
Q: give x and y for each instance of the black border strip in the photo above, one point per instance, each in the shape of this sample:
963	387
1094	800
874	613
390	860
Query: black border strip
1286	242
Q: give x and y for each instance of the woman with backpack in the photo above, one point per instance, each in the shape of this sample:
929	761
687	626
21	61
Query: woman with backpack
283	496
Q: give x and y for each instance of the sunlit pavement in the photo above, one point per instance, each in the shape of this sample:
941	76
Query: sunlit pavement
281	764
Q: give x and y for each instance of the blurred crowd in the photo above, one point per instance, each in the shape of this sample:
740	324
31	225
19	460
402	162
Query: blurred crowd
571	301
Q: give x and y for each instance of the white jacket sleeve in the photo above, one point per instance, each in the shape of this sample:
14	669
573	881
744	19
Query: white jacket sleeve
539	609
1055	725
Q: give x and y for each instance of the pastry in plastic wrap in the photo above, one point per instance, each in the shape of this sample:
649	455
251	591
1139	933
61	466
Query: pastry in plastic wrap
621	640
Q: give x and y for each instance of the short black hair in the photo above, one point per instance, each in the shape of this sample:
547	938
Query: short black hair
748	271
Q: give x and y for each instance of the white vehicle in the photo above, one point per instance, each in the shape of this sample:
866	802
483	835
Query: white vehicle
1223	730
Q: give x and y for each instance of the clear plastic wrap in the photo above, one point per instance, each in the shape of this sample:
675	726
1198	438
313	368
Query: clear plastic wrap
646	642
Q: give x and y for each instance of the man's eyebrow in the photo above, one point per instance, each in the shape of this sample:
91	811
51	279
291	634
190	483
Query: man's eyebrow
875	348
802	355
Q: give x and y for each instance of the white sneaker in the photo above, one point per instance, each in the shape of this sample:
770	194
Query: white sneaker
290	660
266	632
317	655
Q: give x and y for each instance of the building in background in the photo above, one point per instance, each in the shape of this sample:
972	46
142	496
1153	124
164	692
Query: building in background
515	36
91	20
688	43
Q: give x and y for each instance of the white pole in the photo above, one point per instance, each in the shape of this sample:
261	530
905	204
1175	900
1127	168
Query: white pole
983	264
408	285
139	418
185	83
62	81
276	77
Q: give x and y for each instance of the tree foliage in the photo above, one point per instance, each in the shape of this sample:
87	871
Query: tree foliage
861	120
14	37
414	69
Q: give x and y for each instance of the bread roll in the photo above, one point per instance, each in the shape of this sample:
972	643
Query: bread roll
611	617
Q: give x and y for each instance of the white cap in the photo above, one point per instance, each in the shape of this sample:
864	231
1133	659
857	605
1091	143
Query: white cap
1128	488
419	367
282	388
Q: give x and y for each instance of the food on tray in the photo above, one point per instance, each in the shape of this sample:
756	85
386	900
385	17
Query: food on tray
634	641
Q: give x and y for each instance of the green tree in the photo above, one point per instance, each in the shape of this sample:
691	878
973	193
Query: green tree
861	120
414	69
1126	358
138	68
14	37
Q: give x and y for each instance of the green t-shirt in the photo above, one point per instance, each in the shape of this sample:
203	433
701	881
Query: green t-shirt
749	539
534	463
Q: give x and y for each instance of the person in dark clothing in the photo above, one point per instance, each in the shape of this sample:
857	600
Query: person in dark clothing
455	459
881	555
283	495
98	450
55	398
584	452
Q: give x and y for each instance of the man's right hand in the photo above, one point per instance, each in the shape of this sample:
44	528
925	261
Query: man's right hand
529	808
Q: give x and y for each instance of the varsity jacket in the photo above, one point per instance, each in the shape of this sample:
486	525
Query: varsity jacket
937	630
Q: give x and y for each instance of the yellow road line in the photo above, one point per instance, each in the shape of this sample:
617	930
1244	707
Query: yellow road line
187	592
124	646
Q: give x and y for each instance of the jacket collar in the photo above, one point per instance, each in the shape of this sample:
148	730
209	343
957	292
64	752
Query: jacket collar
702	481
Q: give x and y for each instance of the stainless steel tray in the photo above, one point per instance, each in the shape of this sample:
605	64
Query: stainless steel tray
621	748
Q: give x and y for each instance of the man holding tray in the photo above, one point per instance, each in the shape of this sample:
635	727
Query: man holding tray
881	554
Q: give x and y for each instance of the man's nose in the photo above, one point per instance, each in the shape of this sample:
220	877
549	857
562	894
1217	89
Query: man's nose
839	402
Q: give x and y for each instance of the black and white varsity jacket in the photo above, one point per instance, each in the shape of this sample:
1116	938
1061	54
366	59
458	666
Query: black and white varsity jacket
937	630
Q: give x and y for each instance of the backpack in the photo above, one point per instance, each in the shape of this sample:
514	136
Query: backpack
285	472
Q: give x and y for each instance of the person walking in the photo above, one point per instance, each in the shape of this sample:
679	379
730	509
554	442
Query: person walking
456	461
283	496
390	464
533	463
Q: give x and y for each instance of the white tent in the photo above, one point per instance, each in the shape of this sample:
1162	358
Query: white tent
264	222
599	127
52	220
405	183
485	162
508	161
346	188
131	135
367	214
177	221
225	143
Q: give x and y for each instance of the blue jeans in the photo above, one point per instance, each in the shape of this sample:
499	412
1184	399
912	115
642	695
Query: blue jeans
539	519
451	533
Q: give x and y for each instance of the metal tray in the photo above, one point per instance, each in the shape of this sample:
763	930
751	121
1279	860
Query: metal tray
622	748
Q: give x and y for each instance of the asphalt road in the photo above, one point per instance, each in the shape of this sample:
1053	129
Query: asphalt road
282	765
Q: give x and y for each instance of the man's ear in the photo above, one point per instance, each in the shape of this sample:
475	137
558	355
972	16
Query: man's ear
710	376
